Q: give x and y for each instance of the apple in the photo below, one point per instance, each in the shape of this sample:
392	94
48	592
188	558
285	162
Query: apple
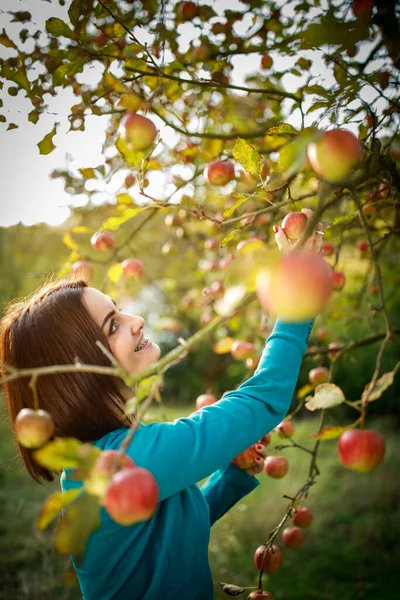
369	211
362	8
132	496
322	334
363	247
276	466
266	61
297	287
264	595
254	244
216	289
102	241
334	348
360	449
220	173
221	28
101	38
293	537
205	400
211	244
132	267
338	280
273	560
294	224
246	459
241	350
303	517
129	180
33	428
318	375
328	248
100	476
334	155
82	269
285	429
140	131
201	53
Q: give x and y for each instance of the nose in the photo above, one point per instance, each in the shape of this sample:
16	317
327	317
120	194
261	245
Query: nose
137	324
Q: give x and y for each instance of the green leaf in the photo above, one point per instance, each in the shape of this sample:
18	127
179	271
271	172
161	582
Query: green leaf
145	387
58	27
276	136
60	73
293	156
343	220
46	145
248	157
5	40
54	504
382	384
33	117
77	8
233	235
12	126
317	105
17	76
80	519
88	173
326	395
228	212
61	453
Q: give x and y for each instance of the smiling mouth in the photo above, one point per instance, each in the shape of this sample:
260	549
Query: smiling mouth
141	344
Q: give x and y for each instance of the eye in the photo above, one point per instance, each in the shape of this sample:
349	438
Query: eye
112	323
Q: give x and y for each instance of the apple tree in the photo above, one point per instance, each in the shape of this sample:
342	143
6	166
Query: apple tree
219	126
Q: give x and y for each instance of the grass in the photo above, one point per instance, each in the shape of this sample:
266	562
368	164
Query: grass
351	550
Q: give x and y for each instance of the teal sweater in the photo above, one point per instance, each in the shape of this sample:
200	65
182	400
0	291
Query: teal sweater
167	556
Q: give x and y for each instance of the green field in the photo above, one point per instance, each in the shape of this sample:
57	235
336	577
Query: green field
352	549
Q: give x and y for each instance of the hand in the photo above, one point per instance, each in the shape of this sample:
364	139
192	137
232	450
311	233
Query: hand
313	243
262	453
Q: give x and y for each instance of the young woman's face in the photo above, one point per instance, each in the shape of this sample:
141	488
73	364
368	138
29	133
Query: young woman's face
124	332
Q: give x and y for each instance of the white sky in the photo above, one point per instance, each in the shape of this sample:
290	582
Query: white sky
28	195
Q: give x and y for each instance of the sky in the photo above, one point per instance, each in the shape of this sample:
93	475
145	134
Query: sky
28	195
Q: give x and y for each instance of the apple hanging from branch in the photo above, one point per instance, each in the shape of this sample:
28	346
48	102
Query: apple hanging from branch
33	428
361	450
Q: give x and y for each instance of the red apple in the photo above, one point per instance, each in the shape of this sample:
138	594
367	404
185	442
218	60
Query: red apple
318	375
102	241
273	560
132	496
187	11
363	247
129	180
293	537
285	429
322	334
303	517
294	224
140	131
334	348
205	400
132	267
362	8
242	350
33	428
338	280
82	269
276	466
297	287
266	61
264	595
100	476
220	173
328	248
334	155
360	449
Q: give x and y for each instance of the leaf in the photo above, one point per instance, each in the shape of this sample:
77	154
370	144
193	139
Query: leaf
227	305
145	387
53	505
60	73
46	145
233	235
228	212
293	156
326	395
81	229
33	117
12	126
76	9
276	136
317	106
132	102
62	453
58	27
211	148
115	222
230	589
124	199
115	272
330	433
132	157
69	241
74	528
248	157
304	390
223	346
343	220
382	384
88	173
5	40
115	84
18	76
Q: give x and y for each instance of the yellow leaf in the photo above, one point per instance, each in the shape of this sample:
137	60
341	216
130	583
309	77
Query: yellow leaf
124	199
380	386
81	229
61	453
304	390
113	223
53	505
211	148
132	157
132	102
115	273
46	145
115	84
88	173
330	433
240	199
233	235
248	157
223	346
74	528
145	387
69	241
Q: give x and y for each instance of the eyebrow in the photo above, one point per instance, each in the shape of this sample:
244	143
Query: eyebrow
110	314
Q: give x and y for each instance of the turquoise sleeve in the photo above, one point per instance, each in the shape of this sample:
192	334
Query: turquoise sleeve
226	487
187	450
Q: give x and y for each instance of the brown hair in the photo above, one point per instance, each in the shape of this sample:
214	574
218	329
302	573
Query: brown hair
53	327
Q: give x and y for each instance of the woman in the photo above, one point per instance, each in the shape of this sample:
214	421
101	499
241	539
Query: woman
167	555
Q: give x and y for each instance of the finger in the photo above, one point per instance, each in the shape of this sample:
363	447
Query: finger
282	241
261	450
